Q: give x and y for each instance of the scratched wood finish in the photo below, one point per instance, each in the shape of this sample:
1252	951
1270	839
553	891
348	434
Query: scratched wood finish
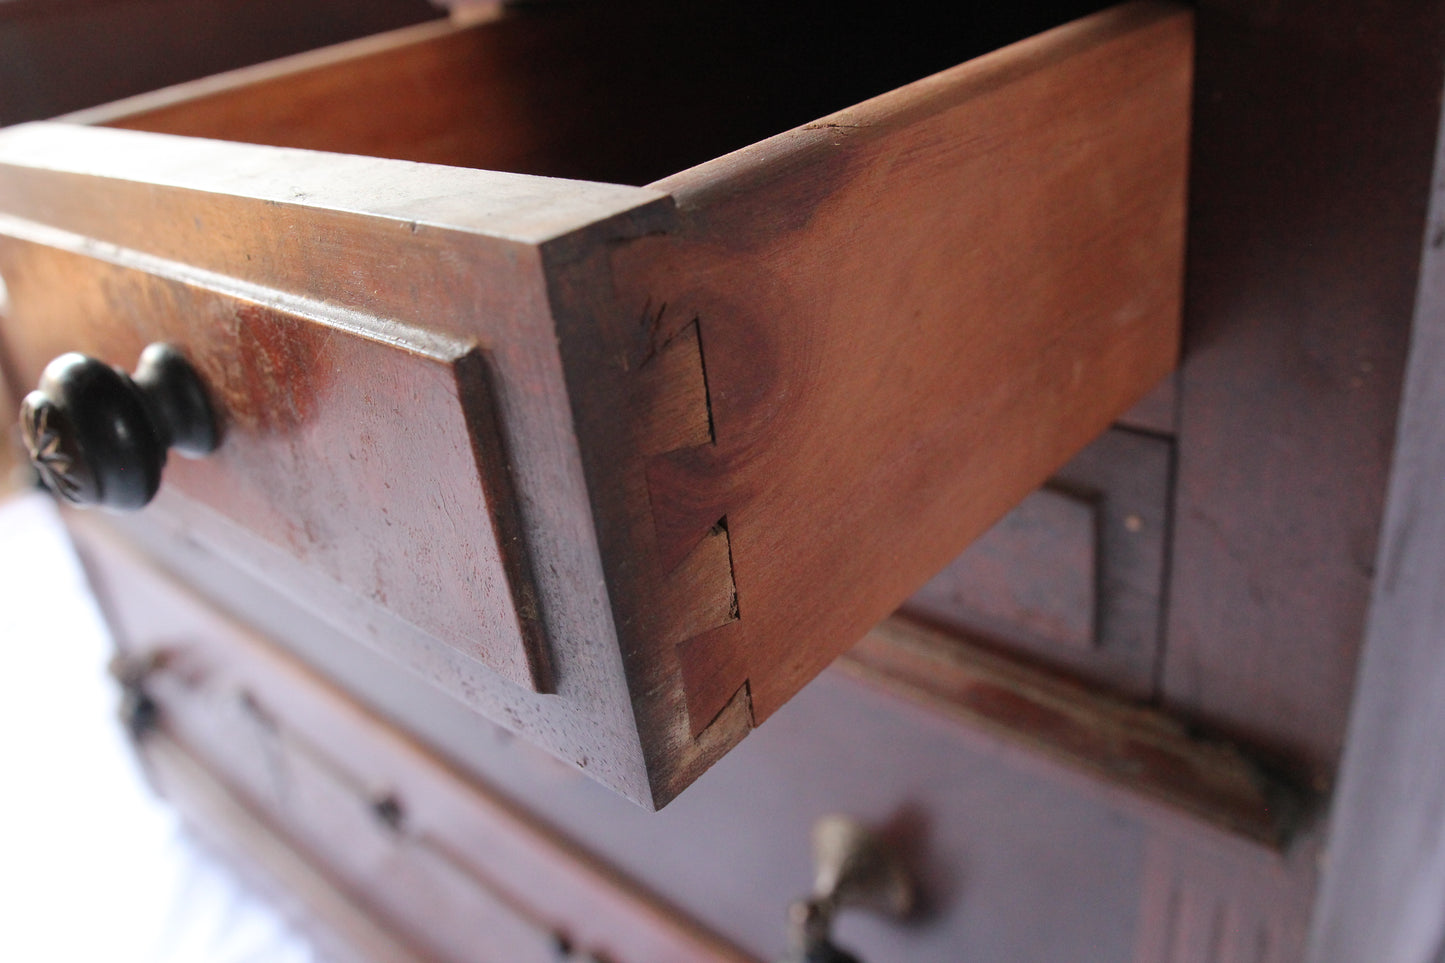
447	866
886	373
678	439
1149	754
285	228
413	445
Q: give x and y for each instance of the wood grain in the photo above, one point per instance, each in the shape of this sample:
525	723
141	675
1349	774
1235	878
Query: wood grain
432	255
910	313
622	92
351	442
892	323
1141	749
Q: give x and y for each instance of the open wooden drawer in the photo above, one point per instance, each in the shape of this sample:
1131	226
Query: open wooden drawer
621	467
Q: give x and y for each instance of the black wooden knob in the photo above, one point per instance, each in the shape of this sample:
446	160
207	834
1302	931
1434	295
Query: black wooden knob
99	436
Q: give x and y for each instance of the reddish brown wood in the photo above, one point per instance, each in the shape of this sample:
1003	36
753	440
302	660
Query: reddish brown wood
734	848
449	867
213	221
871	408
1151	754
769	530
542	88
354	443
1315	125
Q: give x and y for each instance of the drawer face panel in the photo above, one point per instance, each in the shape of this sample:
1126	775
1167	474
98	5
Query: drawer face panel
1074	575
358	445
1035	572
622	468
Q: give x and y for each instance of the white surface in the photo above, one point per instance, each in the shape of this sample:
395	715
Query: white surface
93	867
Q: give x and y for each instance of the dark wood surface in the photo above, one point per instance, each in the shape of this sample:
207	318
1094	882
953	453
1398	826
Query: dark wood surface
1153	756
734	848
1314	139
625	91
1022	853
1074	577
62	55
1385	882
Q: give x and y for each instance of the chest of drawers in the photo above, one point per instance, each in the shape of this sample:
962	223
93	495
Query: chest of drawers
621	468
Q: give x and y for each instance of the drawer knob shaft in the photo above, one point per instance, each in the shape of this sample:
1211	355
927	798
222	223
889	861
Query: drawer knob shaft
99	436
853	867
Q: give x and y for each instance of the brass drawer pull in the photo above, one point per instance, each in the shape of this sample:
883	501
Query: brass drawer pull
98	436
855	868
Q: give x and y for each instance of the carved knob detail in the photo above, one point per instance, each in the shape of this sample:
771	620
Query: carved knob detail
99	436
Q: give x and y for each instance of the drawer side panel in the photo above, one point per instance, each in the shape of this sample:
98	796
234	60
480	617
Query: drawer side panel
910	314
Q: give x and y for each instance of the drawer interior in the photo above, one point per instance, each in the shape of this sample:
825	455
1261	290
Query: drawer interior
617	92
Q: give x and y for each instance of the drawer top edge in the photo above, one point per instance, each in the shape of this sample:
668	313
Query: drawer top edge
524	208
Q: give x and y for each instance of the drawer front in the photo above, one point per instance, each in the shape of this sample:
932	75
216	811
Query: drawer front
451	871
1017	857
365	449
1074	576
622	468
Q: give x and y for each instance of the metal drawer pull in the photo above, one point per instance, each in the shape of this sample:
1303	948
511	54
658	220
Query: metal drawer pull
99	436
853	868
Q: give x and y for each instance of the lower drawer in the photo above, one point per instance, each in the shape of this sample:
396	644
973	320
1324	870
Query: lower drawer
1074	576
1017	858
